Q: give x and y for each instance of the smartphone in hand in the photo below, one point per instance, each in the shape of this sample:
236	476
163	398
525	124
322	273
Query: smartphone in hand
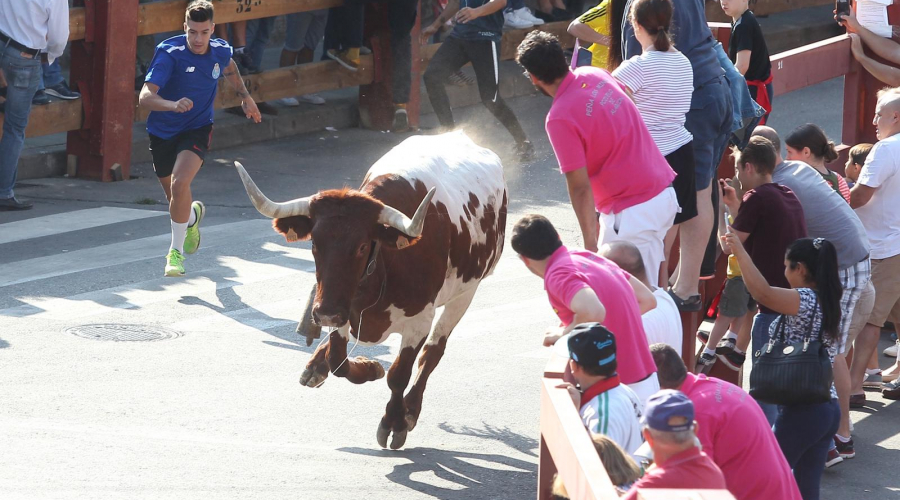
842	8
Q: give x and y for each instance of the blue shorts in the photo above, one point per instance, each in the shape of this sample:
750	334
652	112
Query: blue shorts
709	121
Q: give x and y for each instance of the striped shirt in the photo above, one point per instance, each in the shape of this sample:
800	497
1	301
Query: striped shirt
597	18
615	413
662	84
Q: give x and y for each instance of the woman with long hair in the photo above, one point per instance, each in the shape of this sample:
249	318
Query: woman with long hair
808	143
812	304
620	467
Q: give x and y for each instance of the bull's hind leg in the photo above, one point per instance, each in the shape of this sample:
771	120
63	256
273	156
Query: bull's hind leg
432	353
394	420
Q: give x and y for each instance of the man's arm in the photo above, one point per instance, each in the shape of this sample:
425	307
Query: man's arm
467	14
860	194
587	308
445	15
233	77
151	100
646	300
884	47
883	72
582	197
57	29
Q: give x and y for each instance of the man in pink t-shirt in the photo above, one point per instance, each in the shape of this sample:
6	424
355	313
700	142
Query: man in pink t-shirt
584	287
611	163
733	430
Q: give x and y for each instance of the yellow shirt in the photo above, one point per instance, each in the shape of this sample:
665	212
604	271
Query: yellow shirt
597	19
734	270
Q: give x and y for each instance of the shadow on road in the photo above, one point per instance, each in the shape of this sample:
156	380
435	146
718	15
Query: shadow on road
457	475
521	443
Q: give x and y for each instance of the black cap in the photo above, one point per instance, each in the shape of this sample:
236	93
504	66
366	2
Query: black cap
591	345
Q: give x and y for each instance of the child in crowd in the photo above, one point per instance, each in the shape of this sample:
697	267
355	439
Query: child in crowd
809	144
733	301
661	83
747	50
855	162
606	406
621	468
592	29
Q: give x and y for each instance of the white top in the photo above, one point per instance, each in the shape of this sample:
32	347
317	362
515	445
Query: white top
662	84
38	24
617	414
881	215
663	322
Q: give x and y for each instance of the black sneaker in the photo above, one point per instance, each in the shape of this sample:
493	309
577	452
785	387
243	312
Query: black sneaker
62	91
726	346
845	449
525	151
40	98
733	359
705	362
703	336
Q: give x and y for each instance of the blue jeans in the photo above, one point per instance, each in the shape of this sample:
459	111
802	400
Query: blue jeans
759	335
804	433
745	112
51	75
709	121
23	75
258	32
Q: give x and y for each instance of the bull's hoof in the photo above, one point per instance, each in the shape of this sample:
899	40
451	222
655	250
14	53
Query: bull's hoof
411	421
377	369
311	378
382	436
399	439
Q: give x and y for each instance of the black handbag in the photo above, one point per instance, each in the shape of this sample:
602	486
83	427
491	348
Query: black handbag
792	373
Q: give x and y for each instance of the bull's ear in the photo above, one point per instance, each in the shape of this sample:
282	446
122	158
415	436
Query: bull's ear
294	228
392	237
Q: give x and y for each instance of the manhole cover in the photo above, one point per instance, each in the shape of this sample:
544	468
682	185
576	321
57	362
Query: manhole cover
123	333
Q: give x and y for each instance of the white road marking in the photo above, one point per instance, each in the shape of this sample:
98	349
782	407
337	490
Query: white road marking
50	225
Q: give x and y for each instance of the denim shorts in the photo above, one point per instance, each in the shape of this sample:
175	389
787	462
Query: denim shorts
305	30
709	121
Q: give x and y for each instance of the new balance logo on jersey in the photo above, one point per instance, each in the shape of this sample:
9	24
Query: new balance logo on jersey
190	69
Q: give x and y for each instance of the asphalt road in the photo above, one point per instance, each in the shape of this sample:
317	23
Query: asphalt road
217	412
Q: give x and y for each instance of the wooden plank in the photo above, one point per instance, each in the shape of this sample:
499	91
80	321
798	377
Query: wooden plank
570	446
58	116
811	64
714	10
161	17
291	81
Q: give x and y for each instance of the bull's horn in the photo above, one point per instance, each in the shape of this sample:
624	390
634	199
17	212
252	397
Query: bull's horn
390	216
267	207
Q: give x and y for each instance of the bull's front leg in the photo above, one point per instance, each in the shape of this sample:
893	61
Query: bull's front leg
316	370
357	370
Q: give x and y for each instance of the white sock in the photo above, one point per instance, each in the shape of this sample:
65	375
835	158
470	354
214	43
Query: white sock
707	350
193	218
738	350
842	438
239	50
178	232
730	335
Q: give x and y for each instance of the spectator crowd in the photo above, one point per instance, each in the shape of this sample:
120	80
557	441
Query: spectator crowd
812	255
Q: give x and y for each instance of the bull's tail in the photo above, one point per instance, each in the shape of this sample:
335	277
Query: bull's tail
307	327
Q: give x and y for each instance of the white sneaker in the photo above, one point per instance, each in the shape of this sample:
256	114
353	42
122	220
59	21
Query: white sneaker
287	101
511	20
311	99
892	350
525	13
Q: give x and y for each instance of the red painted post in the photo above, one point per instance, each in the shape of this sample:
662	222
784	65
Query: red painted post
103	69
376	106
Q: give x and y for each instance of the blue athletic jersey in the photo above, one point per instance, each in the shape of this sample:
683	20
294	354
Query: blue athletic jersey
181	73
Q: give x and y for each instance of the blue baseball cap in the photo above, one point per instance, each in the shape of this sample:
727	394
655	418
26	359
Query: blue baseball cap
665	405
592	345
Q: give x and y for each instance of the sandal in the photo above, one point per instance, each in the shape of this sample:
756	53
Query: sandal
690	304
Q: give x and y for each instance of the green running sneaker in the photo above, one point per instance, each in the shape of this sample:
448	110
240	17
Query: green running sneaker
192	237
174	264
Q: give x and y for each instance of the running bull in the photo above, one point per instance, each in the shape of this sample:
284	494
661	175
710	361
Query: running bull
426	226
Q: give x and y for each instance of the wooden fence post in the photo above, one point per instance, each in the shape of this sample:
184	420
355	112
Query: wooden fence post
103	70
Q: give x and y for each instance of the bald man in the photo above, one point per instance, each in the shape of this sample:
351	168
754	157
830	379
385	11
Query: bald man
875	197
829	216
663	323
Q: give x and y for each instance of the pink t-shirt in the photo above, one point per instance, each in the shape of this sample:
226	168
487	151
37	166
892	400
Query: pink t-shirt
568	271
594	124
735	434
691	469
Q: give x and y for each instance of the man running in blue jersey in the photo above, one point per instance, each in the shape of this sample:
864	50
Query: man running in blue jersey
179	91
